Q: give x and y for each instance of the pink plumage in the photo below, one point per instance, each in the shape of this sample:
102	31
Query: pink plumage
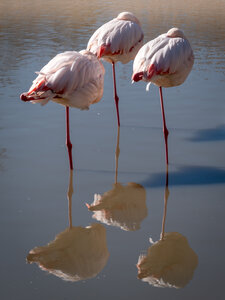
166	61
117	40
121	38
73	79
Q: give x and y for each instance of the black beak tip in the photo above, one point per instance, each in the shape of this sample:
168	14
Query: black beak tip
23	97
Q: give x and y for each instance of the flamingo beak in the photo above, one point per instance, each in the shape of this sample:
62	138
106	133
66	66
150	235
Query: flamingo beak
24	98
137	76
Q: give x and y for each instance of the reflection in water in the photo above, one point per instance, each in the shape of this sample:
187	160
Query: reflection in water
77	253
123	206
170	262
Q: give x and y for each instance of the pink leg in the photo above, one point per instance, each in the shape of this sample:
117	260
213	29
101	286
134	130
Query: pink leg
165	130
68	142
115	94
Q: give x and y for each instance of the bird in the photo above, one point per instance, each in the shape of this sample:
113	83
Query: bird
165	61
117	40
73	79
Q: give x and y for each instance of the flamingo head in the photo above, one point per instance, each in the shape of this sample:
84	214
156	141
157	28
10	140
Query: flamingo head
137	76
175	32
24	97
128	16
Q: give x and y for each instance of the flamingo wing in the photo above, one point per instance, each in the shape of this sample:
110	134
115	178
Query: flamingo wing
174	56
64	75
163	55
115	37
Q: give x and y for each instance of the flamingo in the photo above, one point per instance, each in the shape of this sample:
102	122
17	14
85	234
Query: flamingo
73	79
166	61
117	40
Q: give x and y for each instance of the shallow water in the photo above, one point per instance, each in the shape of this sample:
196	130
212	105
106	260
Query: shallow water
34	166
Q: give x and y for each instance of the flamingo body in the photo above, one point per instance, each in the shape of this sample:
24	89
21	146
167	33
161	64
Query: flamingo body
166	61
117	40
71	78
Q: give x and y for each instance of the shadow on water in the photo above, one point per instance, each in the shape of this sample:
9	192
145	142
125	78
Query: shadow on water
209	135
3	156
188	176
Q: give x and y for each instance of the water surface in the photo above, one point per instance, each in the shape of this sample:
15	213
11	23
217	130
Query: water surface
34	166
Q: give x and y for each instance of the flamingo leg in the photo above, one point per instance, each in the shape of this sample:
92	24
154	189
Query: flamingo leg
68	142
115	94
165	130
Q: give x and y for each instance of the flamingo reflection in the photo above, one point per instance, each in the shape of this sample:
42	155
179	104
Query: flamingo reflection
124	206
77	253
170	262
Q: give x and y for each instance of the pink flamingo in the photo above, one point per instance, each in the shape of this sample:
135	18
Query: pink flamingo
166	61
73	79
117	40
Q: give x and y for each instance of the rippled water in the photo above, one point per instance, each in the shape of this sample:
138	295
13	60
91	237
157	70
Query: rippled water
125	170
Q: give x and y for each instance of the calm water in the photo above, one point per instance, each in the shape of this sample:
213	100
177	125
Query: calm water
35	176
